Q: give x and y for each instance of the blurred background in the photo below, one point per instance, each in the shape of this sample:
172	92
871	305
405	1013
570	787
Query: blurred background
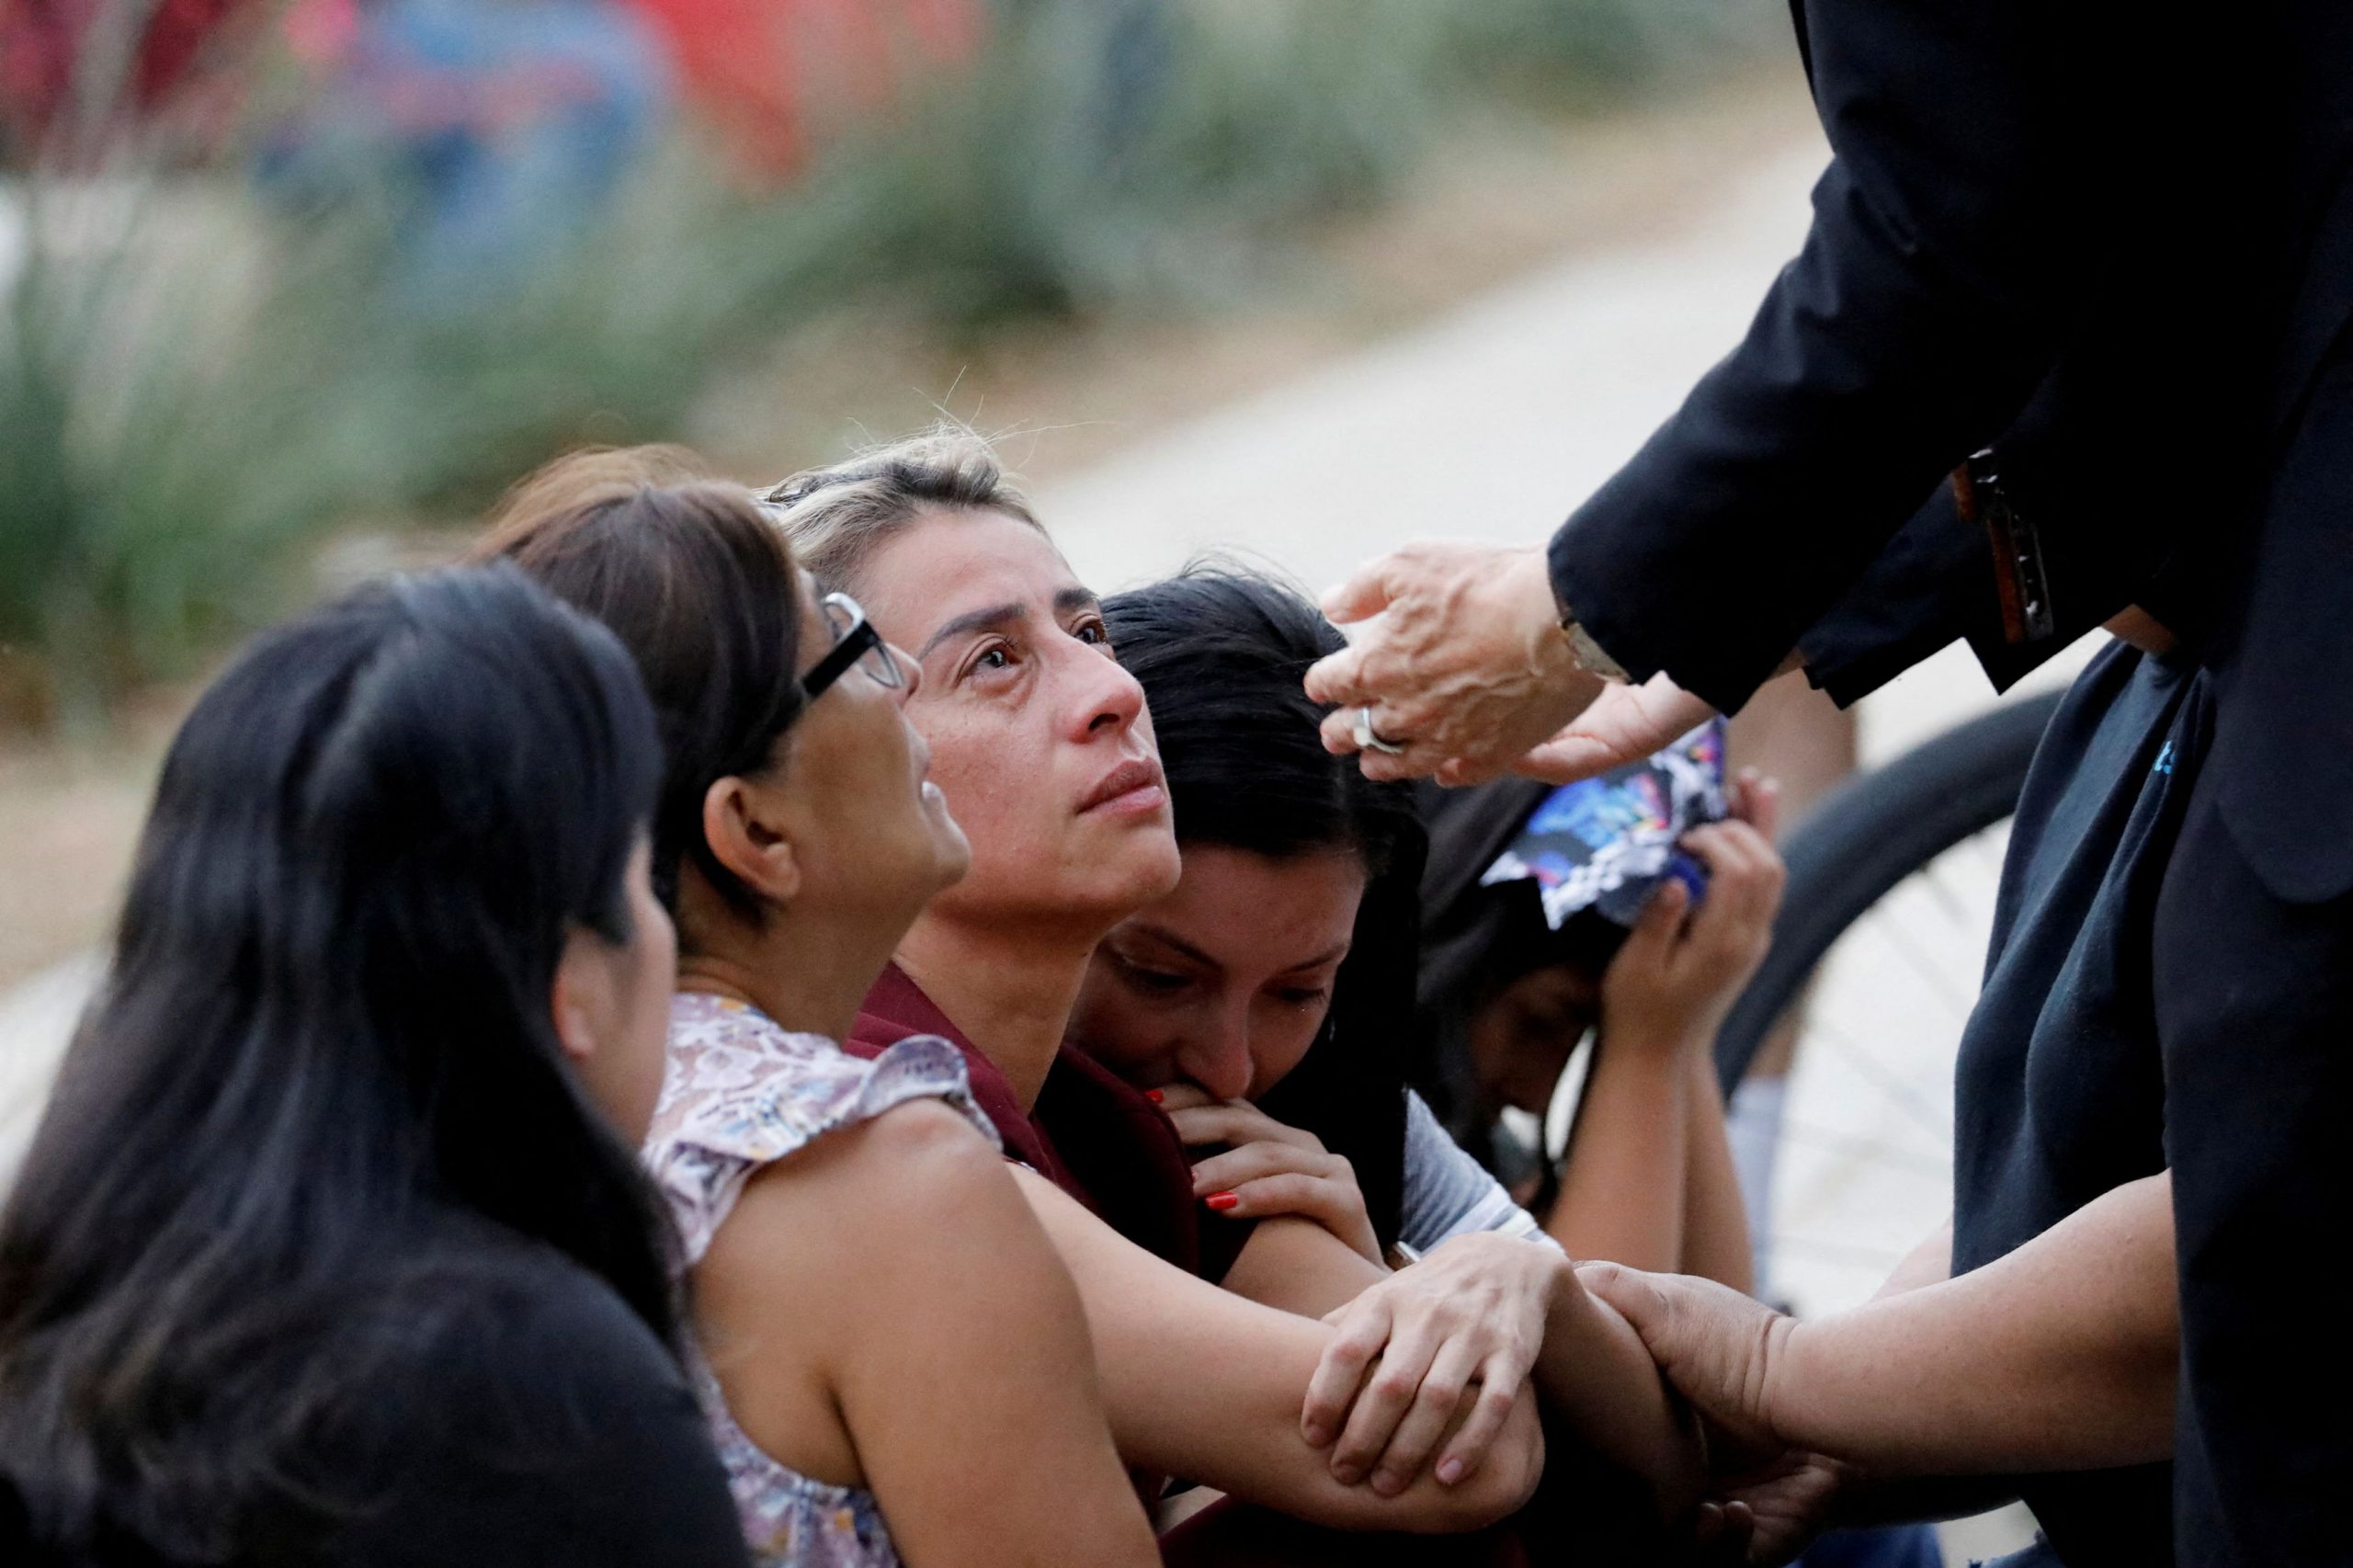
289	292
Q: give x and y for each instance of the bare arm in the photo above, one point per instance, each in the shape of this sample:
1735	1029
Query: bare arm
1650	1180
1715	1219
889	1290
1206	1385
2063	1355
1621	1186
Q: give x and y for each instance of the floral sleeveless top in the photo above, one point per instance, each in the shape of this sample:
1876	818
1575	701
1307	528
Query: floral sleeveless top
739	1092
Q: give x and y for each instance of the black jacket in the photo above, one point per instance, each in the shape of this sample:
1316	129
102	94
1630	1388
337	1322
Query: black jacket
2114	243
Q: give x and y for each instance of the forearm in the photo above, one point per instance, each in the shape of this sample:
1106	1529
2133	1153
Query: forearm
1594	1375
1200	1383
1715	1220
1930	1263
1621	1187
2063	1355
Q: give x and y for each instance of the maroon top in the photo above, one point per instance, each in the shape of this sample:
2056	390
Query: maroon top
1090	1134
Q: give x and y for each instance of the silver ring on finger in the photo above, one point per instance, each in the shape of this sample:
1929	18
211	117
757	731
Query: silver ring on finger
1369	739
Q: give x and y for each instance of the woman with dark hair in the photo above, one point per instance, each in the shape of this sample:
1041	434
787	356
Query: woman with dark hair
331	1247
897	1362
1043	744
1268	1000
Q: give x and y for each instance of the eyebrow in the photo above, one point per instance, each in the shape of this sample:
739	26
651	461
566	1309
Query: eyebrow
1169	939
1066	602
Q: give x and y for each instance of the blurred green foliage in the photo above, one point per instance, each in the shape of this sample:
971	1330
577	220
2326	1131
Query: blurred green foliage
197	387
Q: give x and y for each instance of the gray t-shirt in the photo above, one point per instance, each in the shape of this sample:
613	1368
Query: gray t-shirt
1448	1193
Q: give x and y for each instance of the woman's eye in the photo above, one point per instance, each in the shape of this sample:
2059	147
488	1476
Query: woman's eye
1094	633
1159	981
1304	996
997	658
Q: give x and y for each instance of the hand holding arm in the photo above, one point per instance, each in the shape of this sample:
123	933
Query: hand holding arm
2061	1354
1471	1321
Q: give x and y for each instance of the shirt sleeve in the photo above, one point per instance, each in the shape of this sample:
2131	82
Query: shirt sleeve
1448	1193
1933	293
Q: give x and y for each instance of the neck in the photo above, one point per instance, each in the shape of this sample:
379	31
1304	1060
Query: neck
1010	991
808	974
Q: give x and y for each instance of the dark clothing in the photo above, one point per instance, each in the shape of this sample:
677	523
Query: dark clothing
496	1403
2255	1014
2119	251
547	1427
2060	1094
1090	1134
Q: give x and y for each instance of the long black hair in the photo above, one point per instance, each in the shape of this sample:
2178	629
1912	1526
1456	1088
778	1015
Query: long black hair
1220	654
324	1042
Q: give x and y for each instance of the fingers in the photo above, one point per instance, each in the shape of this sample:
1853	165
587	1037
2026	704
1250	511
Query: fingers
1499	1391
1236	1122
1631	1294
1180	1096
1756	801
1338	678
1426	1418
1744	878
1339	1374
1385	1398
1365	595
1563	759
1660	923
1229	1171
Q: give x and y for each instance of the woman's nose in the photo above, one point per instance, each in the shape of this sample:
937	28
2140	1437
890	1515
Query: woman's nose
1110	698
1218	1060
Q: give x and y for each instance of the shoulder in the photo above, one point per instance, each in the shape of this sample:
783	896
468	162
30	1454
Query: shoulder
742	1094
1448	1193
532	1417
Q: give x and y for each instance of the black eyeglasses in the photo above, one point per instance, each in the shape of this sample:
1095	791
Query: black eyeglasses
855	642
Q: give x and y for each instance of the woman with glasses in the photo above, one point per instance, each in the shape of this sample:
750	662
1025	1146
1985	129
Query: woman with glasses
1044	745
894	1361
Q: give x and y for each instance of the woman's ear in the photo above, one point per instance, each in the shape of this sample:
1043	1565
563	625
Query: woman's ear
580	1001
746	829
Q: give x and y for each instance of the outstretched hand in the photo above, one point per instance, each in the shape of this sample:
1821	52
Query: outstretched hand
1468	670
1623	724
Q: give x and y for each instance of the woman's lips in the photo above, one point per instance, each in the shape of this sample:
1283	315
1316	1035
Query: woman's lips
1130	789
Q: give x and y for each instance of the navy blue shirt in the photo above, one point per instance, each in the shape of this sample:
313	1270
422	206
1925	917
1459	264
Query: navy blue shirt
2059	1093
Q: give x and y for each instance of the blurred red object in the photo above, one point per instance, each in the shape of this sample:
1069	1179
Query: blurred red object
771	73
46	44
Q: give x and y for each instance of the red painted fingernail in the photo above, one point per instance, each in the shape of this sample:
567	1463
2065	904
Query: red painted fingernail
1155	1095
1220	1200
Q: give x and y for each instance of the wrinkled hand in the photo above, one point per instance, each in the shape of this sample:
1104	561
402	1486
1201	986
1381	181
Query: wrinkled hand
1673	982
1468	670
1624	724
1465	1322
1724	1353
1269	1168
1721	1349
